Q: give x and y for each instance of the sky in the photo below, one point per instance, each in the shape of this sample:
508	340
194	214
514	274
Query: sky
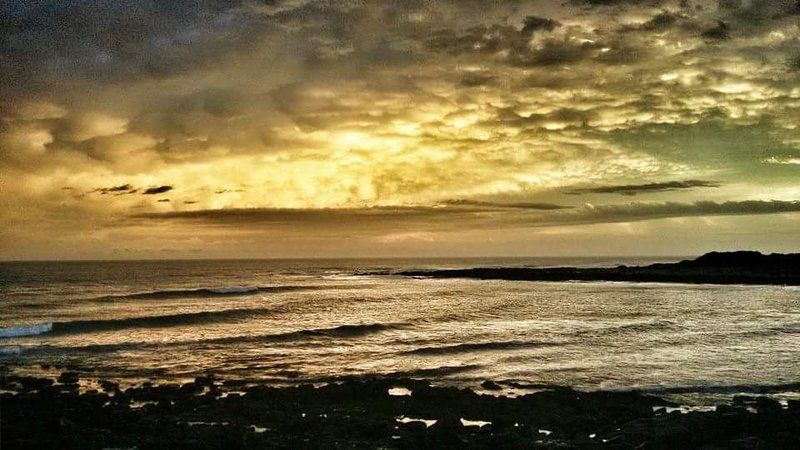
296	128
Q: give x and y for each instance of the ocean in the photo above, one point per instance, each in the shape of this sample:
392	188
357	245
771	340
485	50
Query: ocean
295	321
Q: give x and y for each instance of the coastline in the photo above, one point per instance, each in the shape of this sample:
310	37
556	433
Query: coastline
737	268
75	412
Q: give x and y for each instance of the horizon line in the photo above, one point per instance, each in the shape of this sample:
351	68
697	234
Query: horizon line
357	258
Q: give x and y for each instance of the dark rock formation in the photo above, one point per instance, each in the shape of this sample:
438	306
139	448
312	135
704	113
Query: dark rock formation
361	413
714	268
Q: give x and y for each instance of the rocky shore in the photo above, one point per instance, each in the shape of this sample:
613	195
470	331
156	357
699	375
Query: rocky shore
74	412
712	268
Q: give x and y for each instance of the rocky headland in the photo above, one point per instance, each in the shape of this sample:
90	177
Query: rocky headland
744	267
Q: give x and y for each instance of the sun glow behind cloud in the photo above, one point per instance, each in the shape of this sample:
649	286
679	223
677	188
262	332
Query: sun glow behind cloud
308	105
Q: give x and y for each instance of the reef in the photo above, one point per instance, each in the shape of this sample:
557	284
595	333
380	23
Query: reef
208	413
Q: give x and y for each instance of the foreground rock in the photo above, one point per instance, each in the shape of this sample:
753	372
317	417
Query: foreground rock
375	413
715	267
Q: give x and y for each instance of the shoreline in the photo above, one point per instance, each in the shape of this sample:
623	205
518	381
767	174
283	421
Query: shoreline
75	412
723	268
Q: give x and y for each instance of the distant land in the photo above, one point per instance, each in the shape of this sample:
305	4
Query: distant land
742	267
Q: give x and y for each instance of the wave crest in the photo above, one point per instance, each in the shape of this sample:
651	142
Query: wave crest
224	291
26	330
476	347
341	331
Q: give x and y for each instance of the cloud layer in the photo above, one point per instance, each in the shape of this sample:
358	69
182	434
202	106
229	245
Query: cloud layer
494	109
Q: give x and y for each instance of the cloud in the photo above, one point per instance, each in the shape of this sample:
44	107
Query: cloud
633	189
377	220
477	78
783	161
720	32
341	104
753	12
649	211
794	63
517	205
54	43
532	24
124	188
661	22
157	190
594	3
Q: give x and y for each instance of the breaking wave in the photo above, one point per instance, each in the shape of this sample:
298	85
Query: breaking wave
26	330
87	326
341	331
225	291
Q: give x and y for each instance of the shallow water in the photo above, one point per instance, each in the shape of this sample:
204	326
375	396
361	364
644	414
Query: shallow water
310	320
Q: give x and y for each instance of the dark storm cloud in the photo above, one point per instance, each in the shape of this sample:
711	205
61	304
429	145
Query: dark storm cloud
116	190
339	103
472	79
759	11
573	117
553	52
157	190
794	63
517	205
124	187
593	3
391	217
533	24
479	39
129	189
46	43
512	46
648	211
471	216
633	189
662	21
720	32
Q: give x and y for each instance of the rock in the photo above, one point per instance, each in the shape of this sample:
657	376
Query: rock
358	413
109	386
767	405
69	377
207	380
490	385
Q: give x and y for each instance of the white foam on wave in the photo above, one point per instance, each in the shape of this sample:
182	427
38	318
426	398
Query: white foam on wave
26	330
233	289
10	350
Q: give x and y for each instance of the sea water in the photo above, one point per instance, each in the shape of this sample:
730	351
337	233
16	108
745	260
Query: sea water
290	321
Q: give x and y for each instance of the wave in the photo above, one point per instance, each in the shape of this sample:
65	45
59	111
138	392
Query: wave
225	291
10	350
653	325
789	328
341	331
26	330
477	347
171	320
